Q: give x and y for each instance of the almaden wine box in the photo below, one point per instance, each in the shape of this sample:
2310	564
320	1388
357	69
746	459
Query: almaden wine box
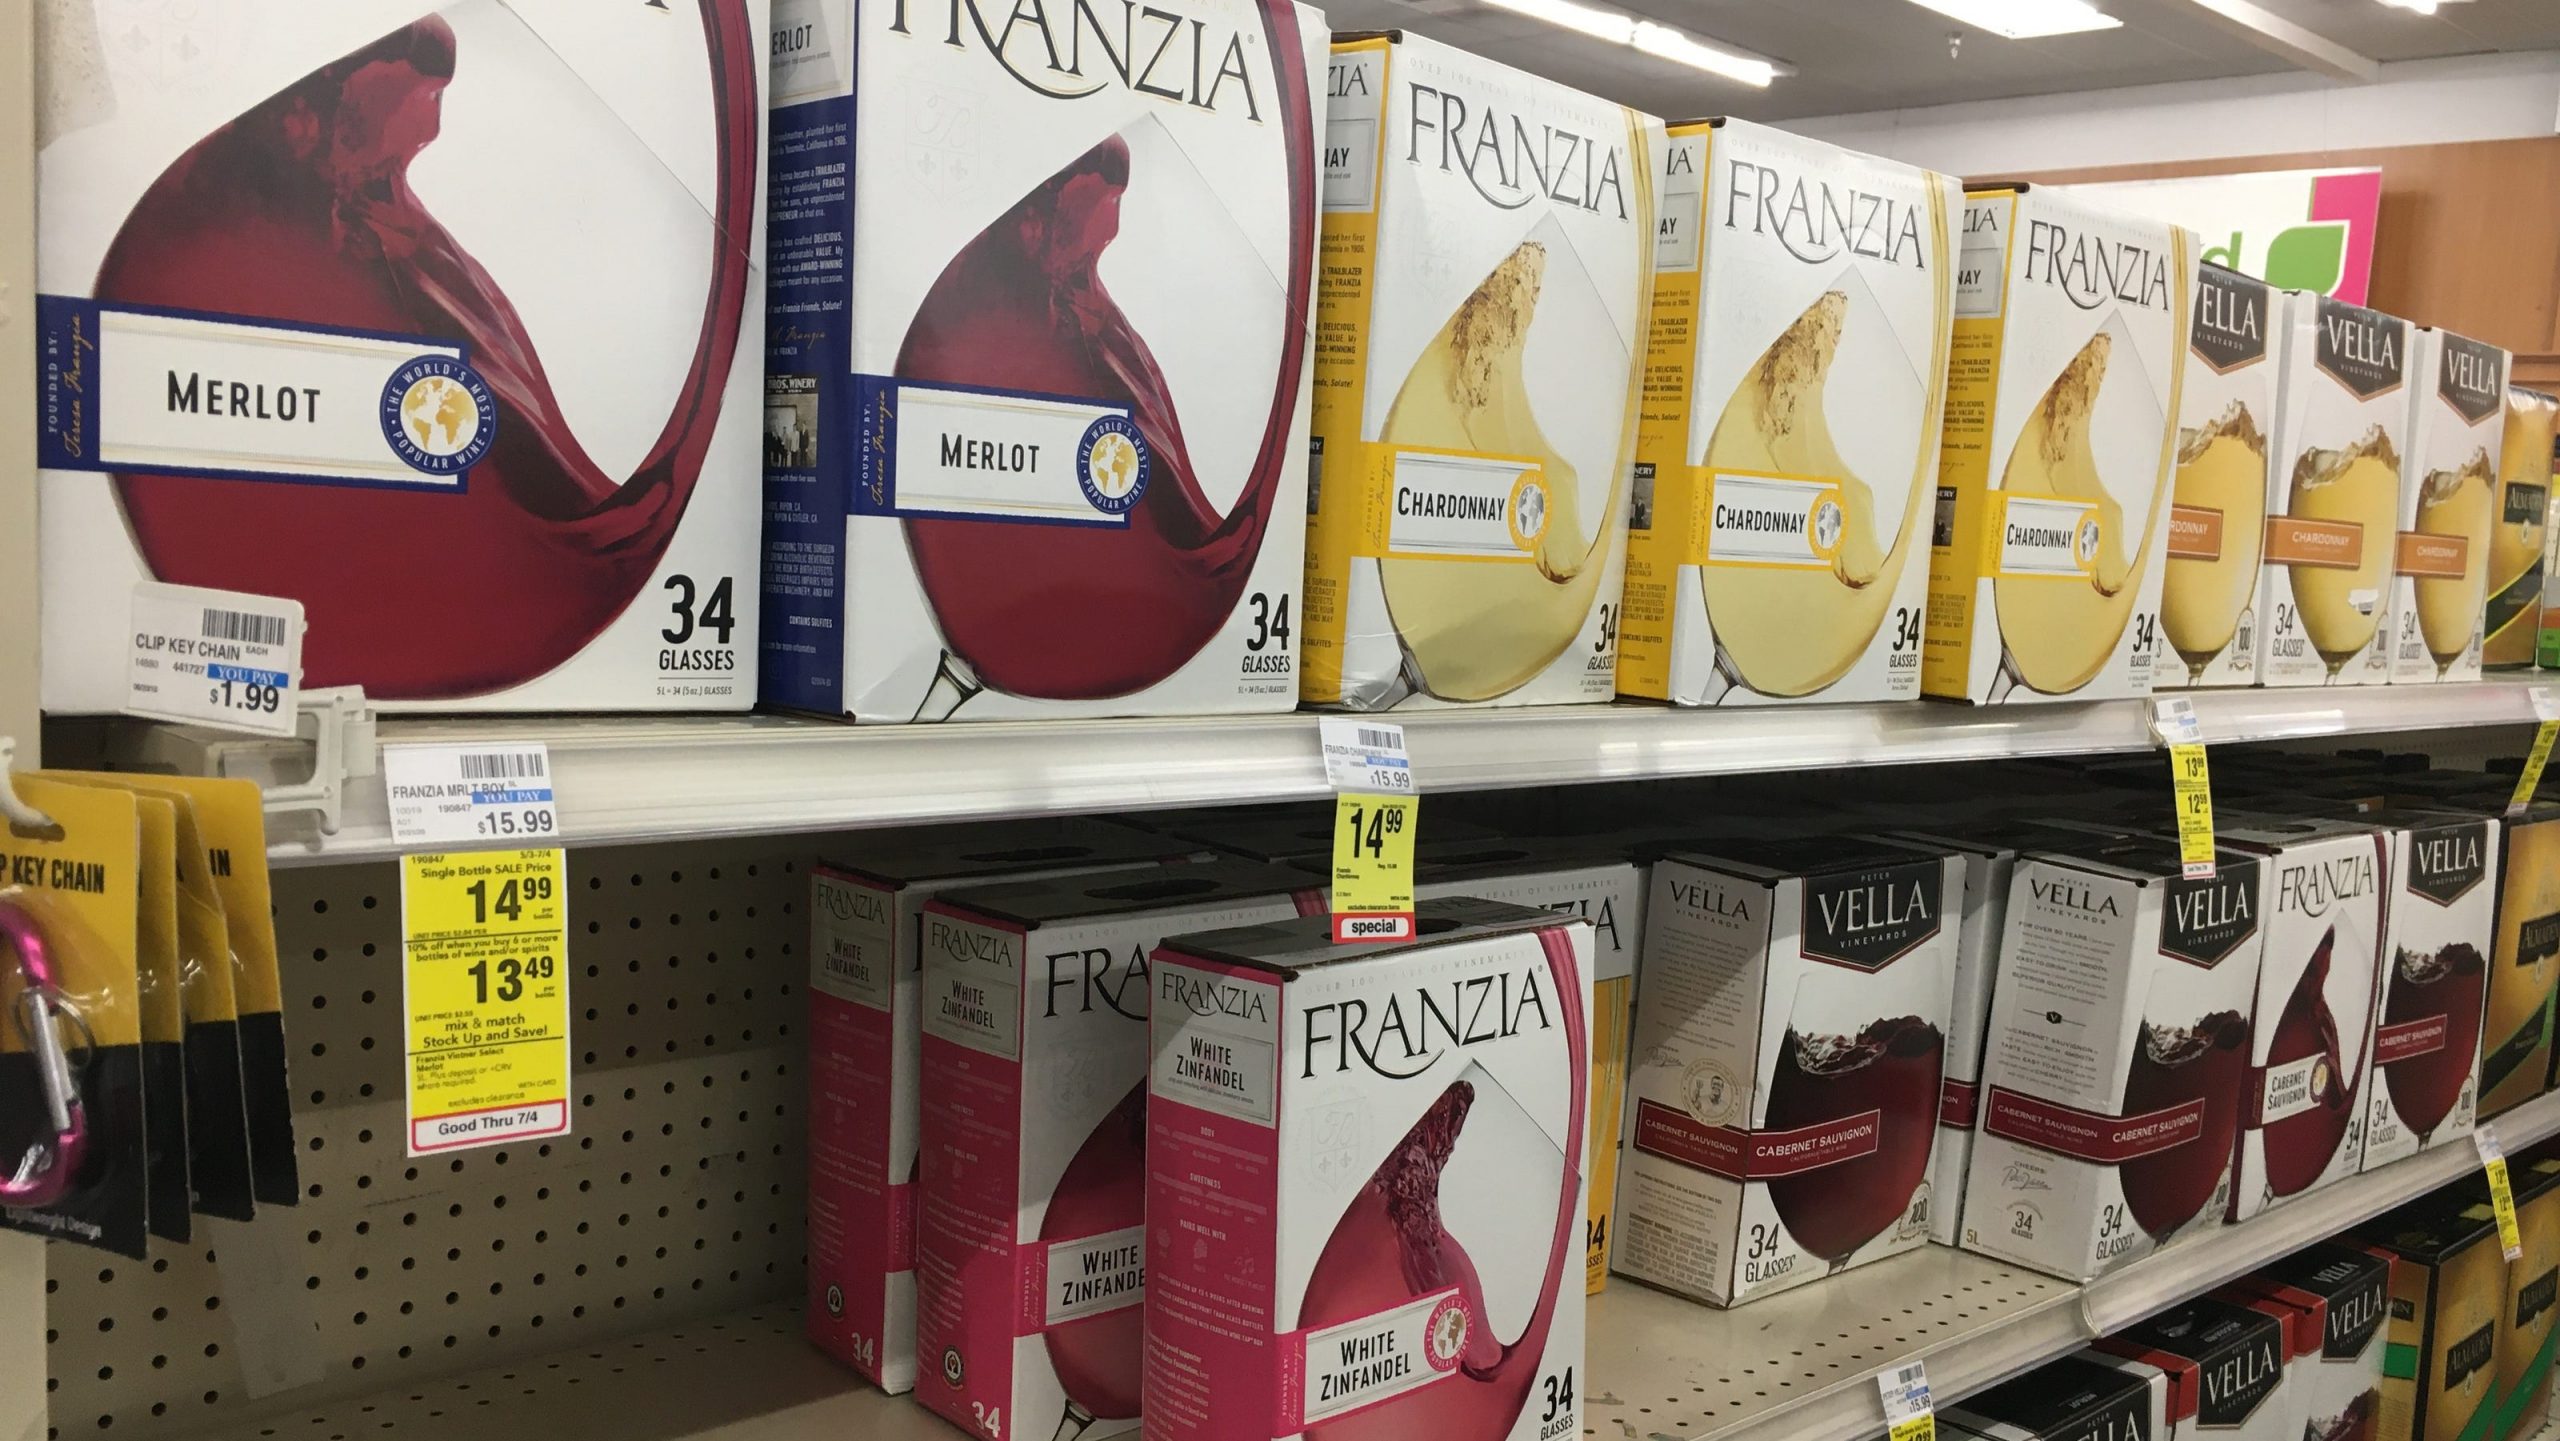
335	319
2449	497
2440	927
2117	1057
2333	495
1036	420
1488	253
866	977
2448	1318
1796	369
1365	1172
2055	475
1791	1021
1031	1193
2218	520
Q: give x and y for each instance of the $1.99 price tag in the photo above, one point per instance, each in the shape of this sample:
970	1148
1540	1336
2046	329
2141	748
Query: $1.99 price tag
1373	866
2191	796
485	977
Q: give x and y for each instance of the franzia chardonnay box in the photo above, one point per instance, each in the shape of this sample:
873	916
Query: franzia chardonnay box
2448	507
2225	1360
1036	422
2218	519
1365	1175
1791	1022
1031	1203
2311	1059
2085	1396
2117	1056
1488	253
2055	474
866	977
2339	1293
2440	924
336	316
1796	369
2333	495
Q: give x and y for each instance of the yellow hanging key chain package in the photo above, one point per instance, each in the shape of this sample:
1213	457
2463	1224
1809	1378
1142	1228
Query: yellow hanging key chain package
72	1156
163	1015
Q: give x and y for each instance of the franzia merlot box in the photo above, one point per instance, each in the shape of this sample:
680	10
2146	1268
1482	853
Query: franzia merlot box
1365	1175
2116	1058
2440	921
1036	421
1031	1204
1791	1021
866	976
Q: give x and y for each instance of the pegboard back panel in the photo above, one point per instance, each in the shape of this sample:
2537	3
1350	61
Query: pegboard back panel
677	1193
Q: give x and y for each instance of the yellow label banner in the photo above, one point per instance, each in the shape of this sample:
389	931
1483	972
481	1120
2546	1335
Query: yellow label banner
2530	779
2191	795
484	965
1373	866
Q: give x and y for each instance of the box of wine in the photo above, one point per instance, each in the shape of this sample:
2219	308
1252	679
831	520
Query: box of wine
2448	1299
2333	495
2526	1334
2117	1056
2085	1396
1795	369
2440	924
866	972
2056	472
2524	963
336	347
2340	1295
1038	393
2449	496
2518	561
1365	1170
2218	520
1791	1020
1031	1187
2225	1359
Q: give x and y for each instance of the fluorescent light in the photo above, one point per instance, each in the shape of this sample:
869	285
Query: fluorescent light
2423	7
2026	19
1660	41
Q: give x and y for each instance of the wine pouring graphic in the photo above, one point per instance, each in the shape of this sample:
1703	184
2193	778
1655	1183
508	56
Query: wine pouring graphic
301	212
2445	985
1476	1175
2299	1146
1830	1072
2201	1061
1090	611
1103	1190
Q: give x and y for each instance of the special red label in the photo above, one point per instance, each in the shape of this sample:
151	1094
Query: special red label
1742	1155
1958	1103
2089	1135
2421	1037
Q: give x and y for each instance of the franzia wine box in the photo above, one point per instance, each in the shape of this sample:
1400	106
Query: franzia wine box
2311	1058
2218	519
1791	1021
2333	495
1031	1201
866	976
1488	253
2117	1056
2448	1305
335	318
2085	1396
2440	924
1989	852
1365	1178
2225	1360
2056	471
1036	413
2339	1293
2448	507
1787	465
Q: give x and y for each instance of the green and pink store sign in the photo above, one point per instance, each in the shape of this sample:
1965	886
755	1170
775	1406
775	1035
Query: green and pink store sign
2299	229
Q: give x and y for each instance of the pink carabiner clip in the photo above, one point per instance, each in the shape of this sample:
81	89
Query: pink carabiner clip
44	1175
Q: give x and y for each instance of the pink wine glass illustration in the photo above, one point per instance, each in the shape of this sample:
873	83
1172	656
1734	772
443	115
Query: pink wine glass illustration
1393	1245
1892	1067
1085	612
301	211
1102	1190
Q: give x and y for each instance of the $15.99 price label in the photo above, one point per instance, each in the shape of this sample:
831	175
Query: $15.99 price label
448	794
485	977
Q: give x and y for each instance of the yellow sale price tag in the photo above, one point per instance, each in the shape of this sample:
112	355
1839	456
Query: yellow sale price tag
2502	1196
484	965
1373	866
1922	1427
2191	795
2530	779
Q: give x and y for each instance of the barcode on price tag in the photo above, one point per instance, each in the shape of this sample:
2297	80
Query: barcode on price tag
1905	1389
215	658
449	794
1365	755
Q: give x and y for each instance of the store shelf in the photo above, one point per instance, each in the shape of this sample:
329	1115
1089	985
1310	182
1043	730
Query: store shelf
627	779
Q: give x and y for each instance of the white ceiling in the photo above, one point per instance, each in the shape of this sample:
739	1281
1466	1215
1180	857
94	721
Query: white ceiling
1860	55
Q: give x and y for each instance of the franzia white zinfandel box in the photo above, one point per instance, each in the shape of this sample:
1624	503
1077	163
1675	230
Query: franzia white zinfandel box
342	309
1791	1019
1036	422
1365	1174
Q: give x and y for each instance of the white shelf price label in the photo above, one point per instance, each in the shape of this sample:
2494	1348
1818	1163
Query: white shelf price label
2173	720
214	658
2502	1196
444	794
1907	1412
1365	755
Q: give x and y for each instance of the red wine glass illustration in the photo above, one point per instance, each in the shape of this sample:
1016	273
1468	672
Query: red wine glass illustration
2445	984
2203	1064
1102	1190
1890	1067
2299	1147
301	212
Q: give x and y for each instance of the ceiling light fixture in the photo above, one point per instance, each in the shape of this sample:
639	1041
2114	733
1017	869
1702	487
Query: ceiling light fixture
2026	19
2423	7
1661	41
